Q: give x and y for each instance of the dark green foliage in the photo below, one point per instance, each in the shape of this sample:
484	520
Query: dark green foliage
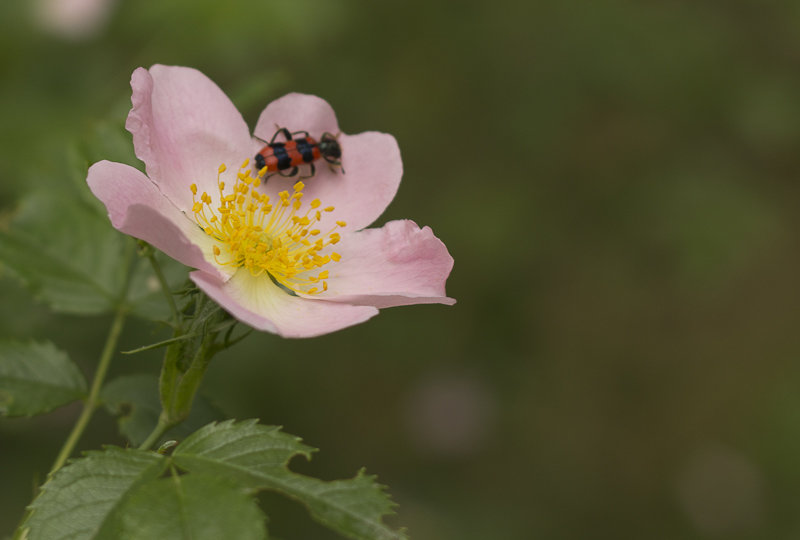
36	378
81	499
66	252
207	492
257	456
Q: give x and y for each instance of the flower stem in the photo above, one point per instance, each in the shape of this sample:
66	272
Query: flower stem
185	364
181	389
151	256
91	402
161	428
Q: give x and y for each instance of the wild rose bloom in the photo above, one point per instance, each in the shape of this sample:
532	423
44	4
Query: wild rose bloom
285	256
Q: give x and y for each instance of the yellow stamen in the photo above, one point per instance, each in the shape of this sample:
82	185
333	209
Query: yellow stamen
269	240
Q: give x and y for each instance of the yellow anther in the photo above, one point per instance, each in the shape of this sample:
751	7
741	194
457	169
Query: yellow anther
222	169
266	239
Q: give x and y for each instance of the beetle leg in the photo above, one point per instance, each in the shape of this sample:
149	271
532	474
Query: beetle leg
285	132
287	174
309	175
334	164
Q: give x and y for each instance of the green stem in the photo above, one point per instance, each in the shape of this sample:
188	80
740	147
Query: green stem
167	385
91	402
181	390
151	256
161	428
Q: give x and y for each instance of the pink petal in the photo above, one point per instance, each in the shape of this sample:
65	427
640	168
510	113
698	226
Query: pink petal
371	161
136	207
261	304
296	112
183	128
398	264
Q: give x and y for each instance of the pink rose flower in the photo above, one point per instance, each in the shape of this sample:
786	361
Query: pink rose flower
285	256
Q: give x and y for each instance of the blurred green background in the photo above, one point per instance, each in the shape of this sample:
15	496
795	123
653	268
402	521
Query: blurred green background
618	184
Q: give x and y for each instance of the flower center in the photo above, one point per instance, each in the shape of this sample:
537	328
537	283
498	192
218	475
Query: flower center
269	238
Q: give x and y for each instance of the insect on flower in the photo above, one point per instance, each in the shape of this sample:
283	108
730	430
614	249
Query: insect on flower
299	261
286	157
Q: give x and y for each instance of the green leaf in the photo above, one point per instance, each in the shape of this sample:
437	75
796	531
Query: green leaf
134	400
257	456
81	498
36	378
65	250
121	494
193	506
62	250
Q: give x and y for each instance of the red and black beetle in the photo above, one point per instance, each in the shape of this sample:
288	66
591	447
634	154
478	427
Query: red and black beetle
285	158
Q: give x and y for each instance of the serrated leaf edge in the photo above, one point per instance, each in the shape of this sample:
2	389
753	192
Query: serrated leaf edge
287	491
24	528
